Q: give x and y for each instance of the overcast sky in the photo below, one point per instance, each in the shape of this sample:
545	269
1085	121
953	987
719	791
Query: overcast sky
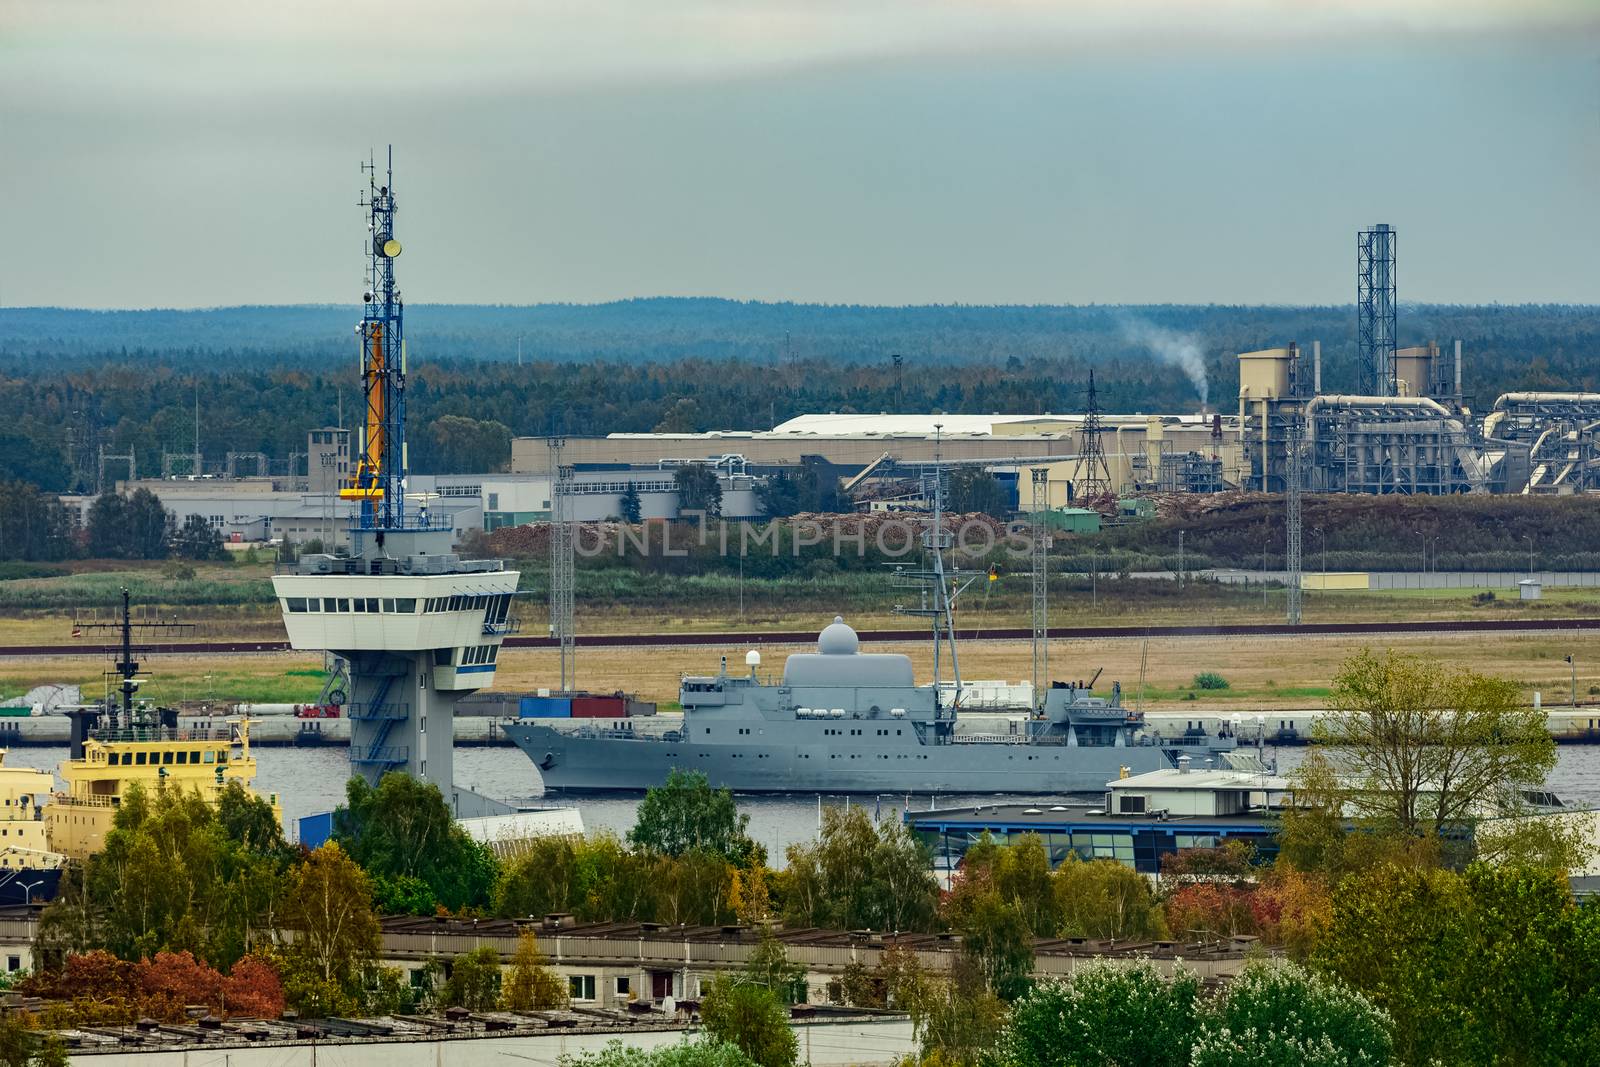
184	153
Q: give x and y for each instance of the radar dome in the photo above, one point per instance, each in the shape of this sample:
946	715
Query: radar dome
837	639
752	658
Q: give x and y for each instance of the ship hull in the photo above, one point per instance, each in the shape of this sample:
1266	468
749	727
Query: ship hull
23	885
574	764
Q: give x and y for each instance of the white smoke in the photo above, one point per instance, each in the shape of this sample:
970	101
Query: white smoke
1174	349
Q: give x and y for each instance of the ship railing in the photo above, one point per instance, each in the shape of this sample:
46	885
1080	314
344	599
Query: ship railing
377	712
163	733
393	754
68	800
989	739
502	628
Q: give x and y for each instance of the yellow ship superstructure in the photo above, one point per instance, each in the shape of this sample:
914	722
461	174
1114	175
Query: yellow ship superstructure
200	758
27	862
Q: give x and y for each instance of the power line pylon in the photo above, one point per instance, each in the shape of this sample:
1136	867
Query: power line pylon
1094	477
561	563
1292	477
1041	584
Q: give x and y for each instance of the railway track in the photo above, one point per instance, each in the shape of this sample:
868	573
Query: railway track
1002	633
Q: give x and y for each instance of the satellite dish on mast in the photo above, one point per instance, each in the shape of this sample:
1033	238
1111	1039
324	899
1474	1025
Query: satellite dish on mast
386	246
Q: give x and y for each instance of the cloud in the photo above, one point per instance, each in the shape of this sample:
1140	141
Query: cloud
84	48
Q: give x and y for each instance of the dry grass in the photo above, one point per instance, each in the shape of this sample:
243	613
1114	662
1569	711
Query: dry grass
1264	672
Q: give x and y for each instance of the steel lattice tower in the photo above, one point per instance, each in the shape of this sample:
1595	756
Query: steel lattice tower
1375	308
1094	477
1292	469
561	564
1041	584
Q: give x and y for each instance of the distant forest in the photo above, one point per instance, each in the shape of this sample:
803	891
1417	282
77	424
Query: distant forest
72	380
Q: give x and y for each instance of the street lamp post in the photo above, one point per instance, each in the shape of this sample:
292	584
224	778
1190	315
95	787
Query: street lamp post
1529	538
1573	663
28	888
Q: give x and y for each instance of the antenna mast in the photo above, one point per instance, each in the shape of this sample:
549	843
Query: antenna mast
378	483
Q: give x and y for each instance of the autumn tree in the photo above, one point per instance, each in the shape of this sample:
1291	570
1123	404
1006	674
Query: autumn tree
529	985
336	933
1104	899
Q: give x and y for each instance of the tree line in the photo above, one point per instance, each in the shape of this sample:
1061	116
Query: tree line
129	381
35	526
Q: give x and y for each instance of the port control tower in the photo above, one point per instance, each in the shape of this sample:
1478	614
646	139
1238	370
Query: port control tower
417	626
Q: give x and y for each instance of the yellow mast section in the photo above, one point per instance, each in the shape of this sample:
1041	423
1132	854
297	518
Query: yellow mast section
364	481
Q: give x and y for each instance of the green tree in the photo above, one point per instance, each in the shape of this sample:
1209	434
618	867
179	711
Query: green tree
769	968
630	505
699	489
132	527
197	539
996	941
812	487
1430	747
474	981
22	1047
173	876
860	875
752	1018
33	525
705	1052
33	459
1280	1013
1494	965
973	489
1104	1013
461	444
336	933
402	829
685	813
529	985
956	1020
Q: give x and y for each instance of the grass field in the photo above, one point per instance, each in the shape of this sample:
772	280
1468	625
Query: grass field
1262	673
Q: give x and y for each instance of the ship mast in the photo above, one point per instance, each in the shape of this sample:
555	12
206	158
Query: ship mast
945	593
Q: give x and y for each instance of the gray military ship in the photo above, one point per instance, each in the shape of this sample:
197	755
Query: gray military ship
845	721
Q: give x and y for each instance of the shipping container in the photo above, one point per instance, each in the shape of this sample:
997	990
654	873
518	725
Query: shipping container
316	829
612	707
545	708
640	707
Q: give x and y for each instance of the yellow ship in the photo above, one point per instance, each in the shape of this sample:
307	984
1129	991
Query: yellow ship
154	752
29	868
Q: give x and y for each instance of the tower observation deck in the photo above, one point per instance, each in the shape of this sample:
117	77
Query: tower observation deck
417	626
